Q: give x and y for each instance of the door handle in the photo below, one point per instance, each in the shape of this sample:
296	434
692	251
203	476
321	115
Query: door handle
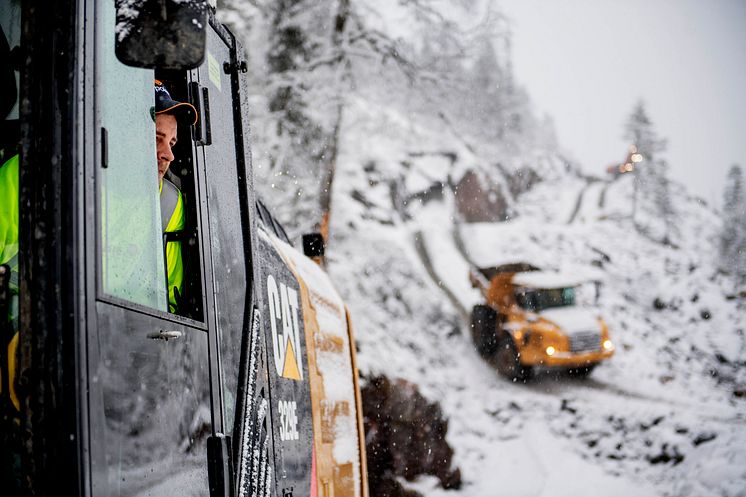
165	335
200	98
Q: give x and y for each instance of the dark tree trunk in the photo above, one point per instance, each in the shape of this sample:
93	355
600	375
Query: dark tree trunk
329	164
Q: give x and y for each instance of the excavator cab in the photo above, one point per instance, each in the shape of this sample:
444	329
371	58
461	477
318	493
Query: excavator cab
234	393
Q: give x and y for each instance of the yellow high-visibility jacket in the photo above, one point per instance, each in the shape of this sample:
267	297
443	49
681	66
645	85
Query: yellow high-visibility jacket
172	219
9	207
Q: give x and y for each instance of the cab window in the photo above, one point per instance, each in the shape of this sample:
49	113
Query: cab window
141	249
132	266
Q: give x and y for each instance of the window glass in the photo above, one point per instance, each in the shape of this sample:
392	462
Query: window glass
131	239
538	300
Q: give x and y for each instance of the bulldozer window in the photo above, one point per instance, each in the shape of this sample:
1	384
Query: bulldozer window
132	266
132	237
538	300
10	24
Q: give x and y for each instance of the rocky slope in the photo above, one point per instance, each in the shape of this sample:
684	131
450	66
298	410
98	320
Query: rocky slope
665	416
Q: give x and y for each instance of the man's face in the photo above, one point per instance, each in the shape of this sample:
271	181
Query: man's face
165	139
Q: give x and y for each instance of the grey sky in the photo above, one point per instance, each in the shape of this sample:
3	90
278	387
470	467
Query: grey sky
586	62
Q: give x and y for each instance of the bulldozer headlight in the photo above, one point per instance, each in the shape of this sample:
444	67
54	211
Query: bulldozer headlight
550	350
608	345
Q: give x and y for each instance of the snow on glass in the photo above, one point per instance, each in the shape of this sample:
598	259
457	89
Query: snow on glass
129	10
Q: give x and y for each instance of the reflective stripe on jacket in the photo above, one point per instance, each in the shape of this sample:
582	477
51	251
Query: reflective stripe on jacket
172	219
9	210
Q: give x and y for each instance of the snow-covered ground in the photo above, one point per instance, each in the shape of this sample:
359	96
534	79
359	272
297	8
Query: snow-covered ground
665	416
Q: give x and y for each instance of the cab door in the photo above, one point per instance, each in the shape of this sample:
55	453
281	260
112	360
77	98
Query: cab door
148	372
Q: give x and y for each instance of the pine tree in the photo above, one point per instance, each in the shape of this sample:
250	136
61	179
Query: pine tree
487	91
651	184
290	52
663	202
733	236
307	57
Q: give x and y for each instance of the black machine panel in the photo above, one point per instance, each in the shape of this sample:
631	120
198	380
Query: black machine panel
290	405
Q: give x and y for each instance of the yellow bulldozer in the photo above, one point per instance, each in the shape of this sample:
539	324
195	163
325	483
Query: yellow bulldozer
533	318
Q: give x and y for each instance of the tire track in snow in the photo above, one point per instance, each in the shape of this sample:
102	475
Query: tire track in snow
571	387
578	203
421	249
698	410
602	197
458	241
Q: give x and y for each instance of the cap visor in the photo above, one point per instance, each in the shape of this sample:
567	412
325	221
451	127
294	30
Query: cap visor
185	113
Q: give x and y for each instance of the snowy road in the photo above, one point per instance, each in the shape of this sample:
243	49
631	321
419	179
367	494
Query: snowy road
420	245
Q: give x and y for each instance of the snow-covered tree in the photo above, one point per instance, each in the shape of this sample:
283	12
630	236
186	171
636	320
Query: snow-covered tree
652	207
310	59
733	236
290	50
295	61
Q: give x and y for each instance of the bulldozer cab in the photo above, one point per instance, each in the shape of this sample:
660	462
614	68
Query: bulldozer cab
119	394
537	291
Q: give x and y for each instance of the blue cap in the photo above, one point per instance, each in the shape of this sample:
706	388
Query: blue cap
184	113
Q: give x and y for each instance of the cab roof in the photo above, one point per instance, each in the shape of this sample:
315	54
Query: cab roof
514	267
547	279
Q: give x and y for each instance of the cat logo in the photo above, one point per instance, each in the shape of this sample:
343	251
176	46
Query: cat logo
283	308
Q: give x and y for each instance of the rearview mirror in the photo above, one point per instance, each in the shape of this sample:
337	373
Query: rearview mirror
164	34
313	245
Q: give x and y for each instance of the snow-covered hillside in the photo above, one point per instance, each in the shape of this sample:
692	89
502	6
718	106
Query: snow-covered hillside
438	160
665	416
